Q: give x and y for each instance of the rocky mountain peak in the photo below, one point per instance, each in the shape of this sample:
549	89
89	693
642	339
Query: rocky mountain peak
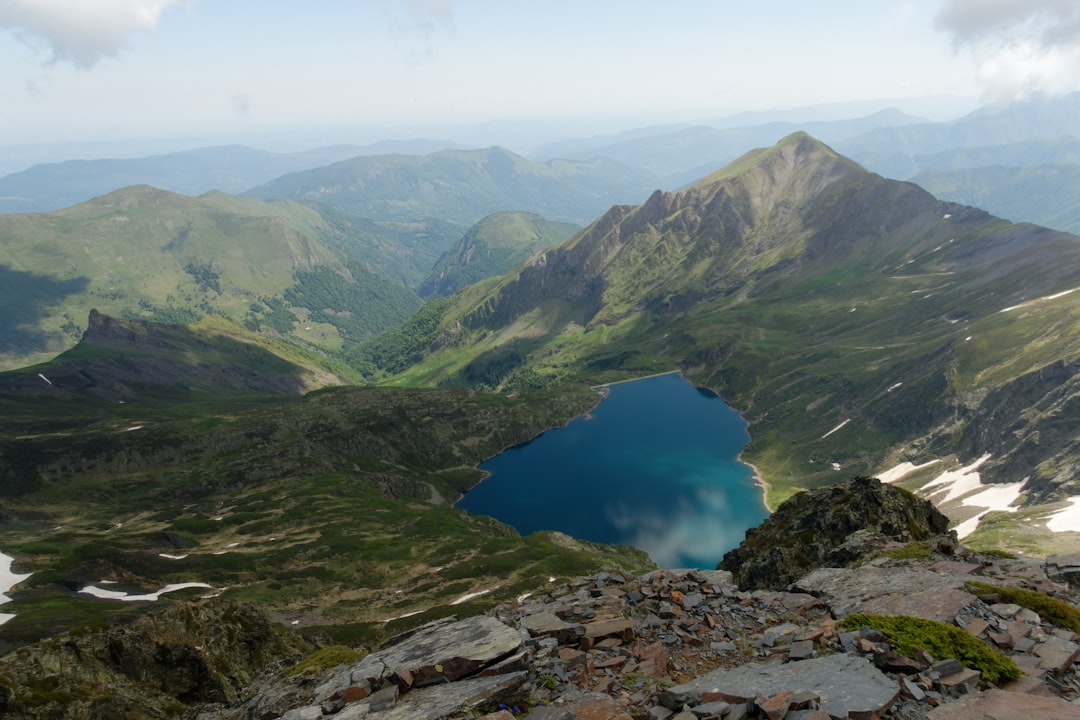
833	526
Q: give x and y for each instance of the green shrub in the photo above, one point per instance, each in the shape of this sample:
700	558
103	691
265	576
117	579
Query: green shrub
909	635
911	551
326	658
1051	609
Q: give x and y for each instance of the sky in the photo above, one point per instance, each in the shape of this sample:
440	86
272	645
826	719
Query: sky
360	70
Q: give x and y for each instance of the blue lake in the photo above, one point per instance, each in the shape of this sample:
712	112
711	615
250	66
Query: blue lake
654	466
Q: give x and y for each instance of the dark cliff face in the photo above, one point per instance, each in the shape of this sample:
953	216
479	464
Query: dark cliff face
1030	427
816	528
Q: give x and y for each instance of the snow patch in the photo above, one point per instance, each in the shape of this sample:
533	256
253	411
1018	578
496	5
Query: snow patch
172	557
1066	520
955	483
835	429
8	580
1055	296
119	595
45	378
994	497
902	470
469	596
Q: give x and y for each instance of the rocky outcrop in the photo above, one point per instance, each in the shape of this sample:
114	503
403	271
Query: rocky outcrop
668	645
833	526
691	644
1031	428
155	667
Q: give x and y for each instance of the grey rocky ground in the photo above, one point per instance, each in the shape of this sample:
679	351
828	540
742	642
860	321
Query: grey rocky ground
690	645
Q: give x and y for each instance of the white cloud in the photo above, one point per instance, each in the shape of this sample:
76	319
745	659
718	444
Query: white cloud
1021	46
82	32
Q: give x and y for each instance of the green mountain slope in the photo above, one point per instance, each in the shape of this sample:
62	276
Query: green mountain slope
855	321
1047	194
493	246
150	455
141	252
463	186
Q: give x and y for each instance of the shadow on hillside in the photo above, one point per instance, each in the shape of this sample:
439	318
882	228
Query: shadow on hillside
24	301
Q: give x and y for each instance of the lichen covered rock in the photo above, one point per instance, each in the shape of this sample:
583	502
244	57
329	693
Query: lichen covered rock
834	526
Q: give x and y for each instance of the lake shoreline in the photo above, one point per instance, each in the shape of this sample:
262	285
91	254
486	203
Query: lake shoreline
602	393
661	471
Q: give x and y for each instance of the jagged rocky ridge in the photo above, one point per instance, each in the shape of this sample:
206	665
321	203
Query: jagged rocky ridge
831	527
668	644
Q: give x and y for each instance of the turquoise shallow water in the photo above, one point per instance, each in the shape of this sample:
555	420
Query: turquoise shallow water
653	466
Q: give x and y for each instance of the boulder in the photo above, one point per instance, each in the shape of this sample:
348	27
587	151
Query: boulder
455	651
840	681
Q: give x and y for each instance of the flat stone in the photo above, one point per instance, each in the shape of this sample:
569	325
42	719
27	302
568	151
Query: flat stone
355	711
384	699
776	707
653	661
1057	655
445	654
550	712
807	715
711	709
779	635
1064	568
1029	685
912	690
948	666
977	626
599	708
801	650
1002	704
438	701
1030	616
311	712
1008	611
888	591
548	624
620	627
960	683
841	681
957	567
893	662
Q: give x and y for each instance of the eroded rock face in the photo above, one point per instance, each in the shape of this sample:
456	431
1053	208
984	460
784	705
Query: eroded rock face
833	526
186	654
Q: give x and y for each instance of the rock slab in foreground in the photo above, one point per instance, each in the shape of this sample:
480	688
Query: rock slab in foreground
888	591
842	682
453	652
995	704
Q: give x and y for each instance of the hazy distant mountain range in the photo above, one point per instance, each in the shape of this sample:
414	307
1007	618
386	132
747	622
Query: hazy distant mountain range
231	168
576	179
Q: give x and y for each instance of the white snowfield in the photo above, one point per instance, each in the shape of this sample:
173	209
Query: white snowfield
118	595
1068	519
965	486
8	580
